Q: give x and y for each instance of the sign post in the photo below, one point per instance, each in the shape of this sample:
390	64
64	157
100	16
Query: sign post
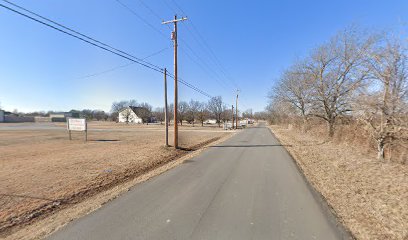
79	125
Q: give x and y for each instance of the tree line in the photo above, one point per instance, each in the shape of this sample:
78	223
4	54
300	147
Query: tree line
355	76
89	114
192	111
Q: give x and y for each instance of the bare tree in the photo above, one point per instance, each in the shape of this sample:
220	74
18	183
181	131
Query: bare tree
182	111
215	106
144	111
384	110
248	113
280	112
295	88
158	113
226	114
202	113
337	70
171	112
263	115
87	113
99	115
353	76
194	107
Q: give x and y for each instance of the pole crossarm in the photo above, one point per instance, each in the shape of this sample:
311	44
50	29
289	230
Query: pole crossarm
175	20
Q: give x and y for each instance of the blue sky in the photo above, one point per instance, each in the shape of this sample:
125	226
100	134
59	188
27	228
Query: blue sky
253	41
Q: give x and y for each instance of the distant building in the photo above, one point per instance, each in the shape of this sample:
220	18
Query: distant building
247	121
9	117
210	121
38	119
62	117
228	125
131	115
1	116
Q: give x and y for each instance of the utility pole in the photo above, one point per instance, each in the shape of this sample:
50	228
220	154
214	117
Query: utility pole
166	119
174	38
232	125
236	109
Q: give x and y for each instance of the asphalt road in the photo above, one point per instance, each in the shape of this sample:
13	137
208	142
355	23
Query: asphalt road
246	188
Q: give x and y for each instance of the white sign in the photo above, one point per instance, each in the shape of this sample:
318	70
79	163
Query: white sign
76	124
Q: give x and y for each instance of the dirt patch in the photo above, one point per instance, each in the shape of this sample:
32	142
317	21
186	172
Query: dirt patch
369	197
42	171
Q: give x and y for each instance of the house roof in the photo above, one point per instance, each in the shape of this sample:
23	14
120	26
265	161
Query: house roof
134	109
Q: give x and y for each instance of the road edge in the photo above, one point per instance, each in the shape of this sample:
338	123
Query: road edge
330	212
44	227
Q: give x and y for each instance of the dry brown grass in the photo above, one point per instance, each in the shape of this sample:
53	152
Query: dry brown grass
368	196
41	170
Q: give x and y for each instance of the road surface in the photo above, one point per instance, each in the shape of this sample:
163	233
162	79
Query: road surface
246	188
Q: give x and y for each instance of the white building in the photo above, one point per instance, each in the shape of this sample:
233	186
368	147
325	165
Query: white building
128	115
58	115
246	121
210	121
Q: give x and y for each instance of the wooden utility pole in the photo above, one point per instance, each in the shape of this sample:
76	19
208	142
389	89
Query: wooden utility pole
236	109
174	38
166	119
232	120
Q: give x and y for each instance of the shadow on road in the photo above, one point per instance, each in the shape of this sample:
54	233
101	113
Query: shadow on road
189	161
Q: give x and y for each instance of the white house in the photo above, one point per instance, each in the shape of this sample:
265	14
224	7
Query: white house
128	115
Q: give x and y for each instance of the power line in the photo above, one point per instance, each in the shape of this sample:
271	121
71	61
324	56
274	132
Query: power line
203	66
160	19
205	44
180	80
203	62
216	60
155	53
104	47
206	67
69	29
141	18
106	71
152	12
170	7
212	54
94	42
119	67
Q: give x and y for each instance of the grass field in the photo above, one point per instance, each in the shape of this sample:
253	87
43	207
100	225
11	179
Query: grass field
41	170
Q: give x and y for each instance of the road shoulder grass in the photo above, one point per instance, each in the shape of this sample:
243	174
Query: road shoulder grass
369	197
